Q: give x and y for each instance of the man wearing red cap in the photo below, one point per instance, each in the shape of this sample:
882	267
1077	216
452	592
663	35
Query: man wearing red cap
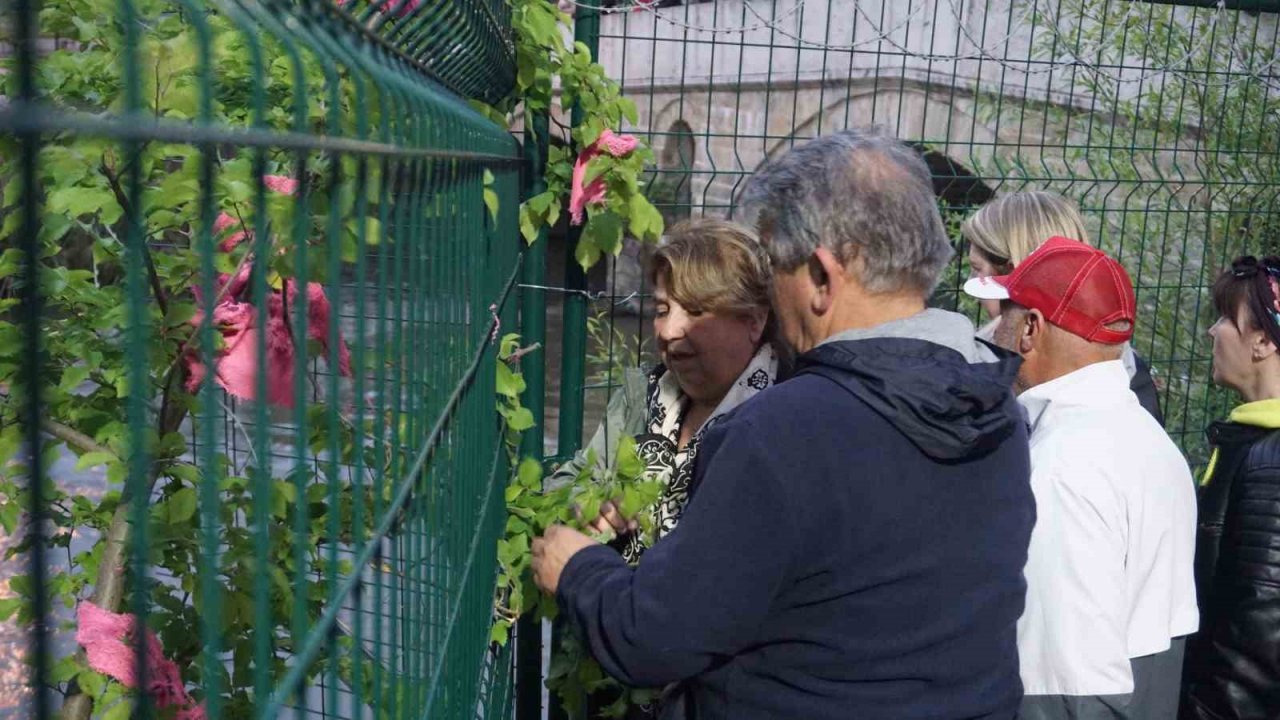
1110	590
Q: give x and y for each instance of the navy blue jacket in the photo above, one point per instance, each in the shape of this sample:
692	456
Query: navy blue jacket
853	549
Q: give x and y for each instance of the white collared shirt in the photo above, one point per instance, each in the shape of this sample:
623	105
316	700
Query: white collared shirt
1109	571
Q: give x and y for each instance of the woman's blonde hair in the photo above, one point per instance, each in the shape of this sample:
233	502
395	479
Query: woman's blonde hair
1009	228
713	265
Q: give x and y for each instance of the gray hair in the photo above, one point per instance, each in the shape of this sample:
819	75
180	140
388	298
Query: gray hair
861	194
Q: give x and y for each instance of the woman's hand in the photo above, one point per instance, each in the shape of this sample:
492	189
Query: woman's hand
611	518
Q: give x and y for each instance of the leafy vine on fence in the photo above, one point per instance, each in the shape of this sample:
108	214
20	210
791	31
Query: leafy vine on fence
547	65
549	68
531	509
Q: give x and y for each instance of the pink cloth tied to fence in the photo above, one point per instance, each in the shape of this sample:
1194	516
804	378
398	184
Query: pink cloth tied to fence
108	642
237	319
593	192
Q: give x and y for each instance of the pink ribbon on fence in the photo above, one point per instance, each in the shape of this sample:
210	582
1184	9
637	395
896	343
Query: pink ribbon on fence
237	319
593	192
108	642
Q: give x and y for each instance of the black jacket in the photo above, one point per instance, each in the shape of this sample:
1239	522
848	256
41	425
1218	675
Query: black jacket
1145	388
1232	667
853	548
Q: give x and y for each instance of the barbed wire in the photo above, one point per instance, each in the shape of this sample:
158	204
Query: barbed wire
878	36
650	7
1077	61
985	52
1170	68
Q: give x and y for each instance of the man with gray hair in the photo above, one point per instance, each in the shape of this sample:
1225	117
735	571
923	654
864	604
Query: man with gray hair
854	543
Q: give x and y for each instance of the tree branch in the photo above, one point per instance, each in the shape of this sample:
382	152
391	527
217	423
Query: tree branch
156	288
73	437
109	587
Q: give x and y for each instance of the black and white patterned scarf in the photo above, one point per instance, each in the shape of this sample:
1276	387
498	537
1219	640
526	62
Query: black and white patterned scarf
658	447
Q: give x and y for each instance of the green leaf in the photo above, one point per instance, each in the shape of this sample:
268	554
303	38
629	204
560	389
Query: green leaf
93	459
499	633
54	227
528	229
632	503
9	513
553	212
509	384
372	231
183	471
73	376
629	110
645	220
491	202
93	683
530	473
238	191
181	506
629	465
604	229
520	420
587	254
9	606
79	201
64	670
120	711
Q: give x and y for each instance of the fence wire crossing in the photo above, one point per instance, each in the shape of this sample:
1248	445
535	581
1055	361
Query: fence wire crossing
255	257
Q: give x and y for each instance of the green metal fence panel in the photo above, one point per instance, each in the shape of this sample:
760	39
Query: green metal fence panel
257	255
1162	120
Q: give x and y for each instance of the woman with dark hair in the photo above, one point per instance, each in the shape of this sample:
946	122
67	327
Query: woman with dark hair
1232	667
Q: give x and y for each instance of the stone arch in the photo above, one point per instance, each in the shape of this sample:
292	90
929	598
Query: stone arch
679	147
956	179
672	187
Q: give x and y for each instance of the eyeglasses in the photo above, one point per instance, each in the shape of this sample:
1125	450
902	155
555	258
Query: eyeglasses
1249	266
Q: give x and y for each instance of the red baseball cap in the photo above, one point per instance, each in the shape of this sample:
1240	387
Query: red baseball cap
1078	288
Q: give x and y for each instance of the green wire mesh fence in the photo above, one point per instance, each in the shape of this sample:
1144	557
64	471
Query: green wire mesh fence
257	256
1161	119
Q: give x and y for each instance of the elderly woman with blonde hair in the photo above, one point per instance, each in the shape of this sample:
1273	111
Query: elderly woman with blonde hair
1002	233
717	349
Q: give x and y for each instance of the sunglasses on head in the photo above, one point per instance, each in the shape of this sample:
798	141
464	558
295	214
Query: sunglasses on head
1249	266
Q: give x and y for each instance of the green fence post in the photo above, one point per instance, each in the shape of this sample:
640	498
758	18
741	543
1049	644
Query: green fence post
573	362
24	18
533	321
574	344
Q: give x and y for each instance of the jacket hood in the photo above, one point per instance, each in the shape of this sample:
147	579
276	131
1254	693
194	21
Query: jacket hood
927	375
1262	414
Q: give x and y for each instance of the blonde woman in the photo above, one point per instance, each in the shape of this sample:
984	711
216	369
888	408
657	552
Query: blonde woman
1002	233
715	340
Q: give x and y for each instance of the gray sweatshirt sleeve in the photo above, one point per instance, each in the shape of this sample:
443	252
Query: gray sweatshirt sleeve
625	415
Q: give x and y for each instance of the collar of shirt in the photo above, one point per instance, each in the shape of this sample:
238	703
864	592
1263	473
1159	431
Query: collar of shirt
1098	385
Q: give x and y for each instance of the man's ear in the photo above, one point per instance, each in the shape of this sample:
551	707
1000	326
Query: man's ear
828	275
1033	331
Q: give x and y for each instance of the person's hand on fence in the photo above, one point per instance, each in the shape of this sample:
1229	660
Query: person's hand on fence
552	552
